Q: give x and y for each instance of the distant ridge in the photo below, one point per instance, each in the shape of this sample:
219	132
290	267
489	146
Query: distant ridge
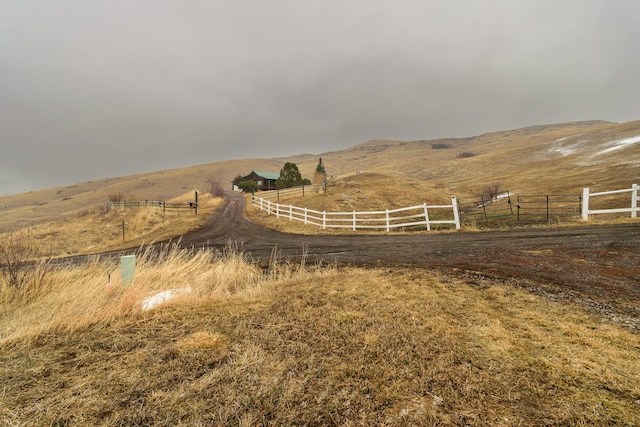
560	157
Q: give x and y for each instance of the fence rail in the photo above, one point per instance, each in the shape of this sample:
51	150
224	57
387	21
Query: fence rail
153	203
421	215
587	195
292	192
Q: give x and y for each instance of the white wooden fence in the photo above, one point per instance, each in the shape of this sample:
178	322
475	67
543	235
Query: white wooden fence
387	219
586	196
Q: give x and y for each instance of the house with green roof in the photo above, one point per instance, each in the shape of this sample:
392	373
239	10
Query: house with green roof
265	180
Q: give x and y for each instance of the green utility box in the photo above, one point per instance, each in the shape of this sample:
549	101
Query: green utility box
127	269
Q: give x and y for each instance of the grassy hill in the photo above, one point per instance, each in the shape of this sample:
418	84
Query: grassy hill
557	158
309	344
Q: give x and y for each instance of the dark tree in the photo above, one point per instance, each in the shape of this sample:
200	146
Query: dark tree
320	167
237	179
289	176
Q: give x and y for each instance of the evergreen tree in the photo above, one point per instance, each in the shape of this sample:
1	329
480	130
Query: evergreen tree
320	167
289	176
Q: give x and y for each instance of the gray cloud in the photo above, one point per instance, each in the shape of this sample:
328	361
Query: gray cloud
106	88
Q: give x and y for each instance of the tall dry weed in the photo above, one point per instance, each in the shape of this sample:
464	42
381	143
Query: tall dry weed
78	296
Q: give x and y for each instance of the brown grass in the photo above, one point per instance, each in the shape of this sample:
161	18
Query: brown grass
307	346
99	230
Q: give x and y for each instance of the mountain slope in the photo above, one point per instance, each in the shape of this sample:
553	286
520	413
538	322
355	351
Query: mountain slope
547	159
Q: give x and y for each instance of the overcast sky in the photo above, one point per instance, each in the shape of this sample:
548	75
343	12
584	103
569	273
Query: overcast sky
102	88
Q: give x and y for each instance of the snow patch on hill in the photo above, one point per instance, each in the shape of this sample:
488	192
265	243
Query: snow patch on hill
568	145
561	147
617	145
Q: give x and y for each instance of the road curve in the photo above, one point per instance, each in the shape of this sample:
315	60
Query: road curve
599	264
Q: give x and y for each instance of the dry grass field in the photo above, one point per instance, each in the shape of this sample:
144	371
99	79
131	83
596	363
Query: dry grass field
305	345
301	344
100	230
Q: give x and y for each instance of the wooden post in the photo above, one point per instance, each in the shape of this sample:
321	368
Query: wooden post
456	214
123	230
354	220
634	201
387	217
484	207
426	217
547	208
585	204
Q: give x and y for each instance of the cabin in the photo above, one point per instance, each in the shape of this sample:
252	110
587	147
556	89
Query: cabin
265	180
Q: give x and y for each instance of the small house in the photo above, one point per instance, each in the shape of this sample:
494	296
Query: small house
265	180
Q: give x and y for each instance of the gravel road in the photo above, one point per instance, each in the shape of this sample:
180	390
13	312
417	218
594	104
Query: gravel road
597	266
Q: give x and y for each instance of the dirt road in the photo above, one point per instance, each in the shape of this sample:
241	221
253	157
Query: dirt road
596	266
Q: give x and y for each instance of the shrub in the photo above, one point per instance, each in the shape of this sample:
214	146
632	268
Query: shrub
440	146
465	154
248	186
115	197
24	264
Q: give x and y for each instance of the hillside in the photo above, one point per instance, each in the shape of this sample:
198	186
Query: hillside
556	158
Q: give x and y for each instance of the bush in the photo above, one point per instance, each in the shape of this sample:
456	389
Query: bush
248	186
116	197
440	146
24	264
465	154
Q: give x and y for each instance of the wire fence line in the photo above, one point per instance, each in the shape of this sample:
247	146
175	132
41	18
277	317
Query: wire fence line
185	206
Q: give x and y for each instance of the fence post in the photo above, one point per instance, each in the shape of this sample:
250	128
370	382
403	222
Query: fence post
354	220
547	208
634	201
456	215
305	215
290	212
484	207
426	217
585	204
387	216
324	220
